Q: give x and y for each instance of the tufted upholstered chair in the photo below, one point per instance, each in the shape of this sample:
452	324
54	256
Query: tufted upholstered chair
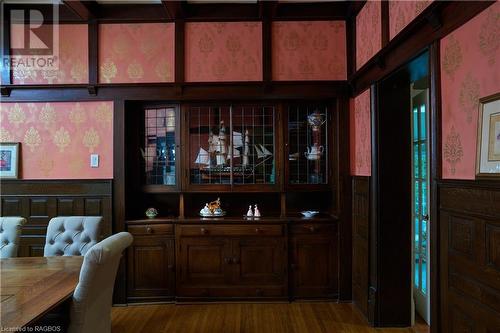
71	235
90	310
10	232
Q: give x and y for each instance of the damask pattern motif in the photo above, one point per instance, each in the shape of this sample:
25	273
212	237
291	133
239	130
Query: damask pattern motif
452	150
58	137
401	13
136	52
314	50
368	32
223	51
452	58
473	77
360	135
72	60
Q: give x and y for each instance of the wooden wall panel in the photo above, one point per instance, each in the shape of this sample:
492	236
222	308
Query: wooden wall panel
360	220
39	201
470	256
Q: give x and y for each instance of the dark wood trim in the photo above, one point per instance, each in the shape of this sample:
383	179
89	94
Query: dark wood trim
415	38
190	92
354	8
351	45
267	12
80	9
93	33
6	71
435	175
373	229
56	187
179	54
385	22
120	292
342	188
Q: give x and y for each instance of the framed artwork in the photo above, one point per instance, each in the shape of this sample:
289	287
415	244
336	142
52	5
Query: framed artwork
488	140
9	160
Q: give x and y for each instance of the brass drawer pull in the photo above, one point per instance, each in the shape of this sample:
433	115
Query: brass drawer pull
149	230
204	231
258	230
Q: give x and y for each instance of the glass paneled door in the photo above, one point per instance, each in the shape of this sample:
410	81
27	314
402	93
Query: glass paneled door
420	184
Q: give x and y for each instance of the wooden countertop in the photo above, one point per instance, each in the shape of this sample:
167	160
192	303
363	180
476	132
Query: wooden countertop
32	286
234	220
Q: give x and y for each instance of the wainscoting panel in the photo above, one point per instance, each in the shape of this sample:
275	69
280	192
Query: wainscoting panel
39	201
470	256
360	235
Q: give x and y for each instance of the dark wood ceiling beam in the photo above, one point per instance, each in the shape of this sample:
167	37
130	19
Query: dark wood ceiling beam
174	9
80	8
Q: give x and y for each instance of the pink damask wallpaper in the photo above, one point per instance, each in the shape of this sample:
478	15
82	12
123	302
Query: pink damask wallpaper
368	32
360	135
314	50
470	58
223	51
73	58
401	13
136	52
57	138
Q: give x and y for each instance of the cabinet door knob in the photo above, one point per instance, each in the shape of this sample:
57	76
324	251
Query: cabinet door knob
235	260
258	230
149	230
312	229
204	231
227	260
170	267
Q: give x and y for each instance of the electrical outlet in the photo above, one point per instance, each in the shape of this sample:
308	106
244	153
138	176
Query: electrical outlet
94	160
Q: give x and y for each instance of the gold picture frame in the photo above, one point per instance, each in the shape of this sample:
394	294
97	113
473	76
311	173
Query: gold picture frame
488	137
9	160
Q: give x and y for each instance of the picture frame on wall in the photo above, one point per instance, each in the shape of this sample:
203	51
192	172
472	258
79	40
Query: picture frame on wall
9	160
488	141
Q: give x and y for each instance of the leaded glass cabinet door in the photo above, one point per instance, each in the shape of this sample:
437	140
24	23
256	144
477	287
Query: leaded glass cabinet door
420	184
231	146
160	148
308	138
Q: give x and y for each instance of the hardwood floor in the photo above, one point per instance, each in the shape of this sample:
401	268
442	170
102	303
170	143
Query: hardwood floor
248	318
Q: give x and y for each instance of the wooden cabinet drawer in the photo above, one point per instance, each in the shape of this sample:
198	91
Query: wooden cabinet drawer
230	230
150	229
312	228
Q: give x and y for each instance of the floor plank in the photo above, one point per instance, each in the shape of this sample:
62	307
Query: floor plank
247	318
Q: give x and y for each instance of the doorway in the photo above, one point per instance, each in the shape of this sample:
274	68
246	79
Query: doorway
420	201
399	264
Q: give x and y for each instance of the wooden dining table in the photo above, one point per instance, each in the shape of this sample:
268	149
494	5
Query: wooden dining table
30	287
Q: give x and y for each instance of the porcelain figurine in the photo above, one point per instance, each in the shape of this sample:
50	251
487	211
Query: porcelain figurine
250	213
256	211
205	211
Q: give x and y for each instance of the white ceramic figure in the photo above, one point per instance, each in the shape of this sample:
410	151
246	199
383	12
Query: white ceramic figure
250	213
256	211
205	210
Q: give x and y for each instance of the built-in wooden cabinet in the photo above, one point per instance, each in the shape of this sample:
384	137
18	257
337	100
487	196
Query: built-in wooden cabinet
313	260
221	261
279	155
151	263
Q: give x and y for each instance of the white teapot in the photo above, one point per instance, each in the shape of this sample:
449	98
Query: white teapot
314	153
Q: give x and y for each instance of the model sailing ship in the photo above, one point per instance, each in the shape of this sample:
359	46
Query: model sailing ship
216	162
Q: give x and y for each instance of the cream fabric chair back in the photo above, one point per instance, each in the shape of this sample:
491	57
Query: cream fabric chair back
10	234
91	306
71	235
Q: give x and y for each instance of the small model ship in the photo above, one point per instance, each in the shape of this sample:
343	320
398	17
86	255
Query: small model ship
212	209
216	162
